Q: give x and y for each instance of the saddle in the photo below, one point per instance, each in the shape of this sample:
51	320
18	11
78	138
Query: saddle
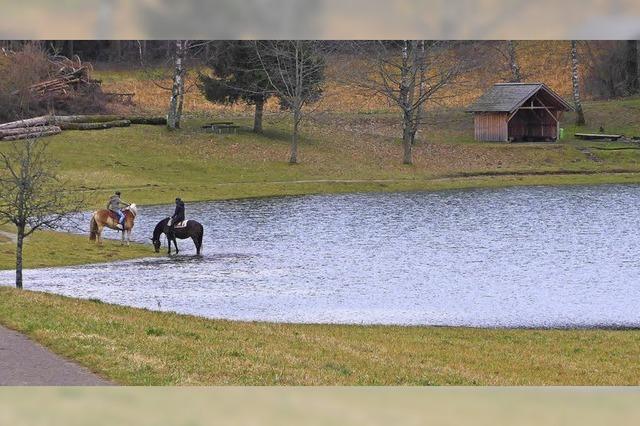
182	224
113	215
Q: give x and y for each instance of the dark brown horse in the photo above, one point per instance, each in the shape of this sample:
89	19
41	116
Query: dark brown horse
104	217
190	229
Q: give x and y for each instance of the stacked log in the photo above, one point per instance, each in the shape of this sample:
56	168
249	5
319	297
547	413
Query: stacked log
94	126
53	124
38	132
154	121
69	73
27	130
37	121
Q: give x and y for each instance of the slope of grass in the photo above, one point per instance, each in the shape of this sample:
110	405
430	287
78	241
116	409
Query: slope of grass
140	347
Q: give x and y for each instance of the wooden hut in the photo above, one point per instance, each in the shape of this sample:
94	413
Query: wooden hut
518	112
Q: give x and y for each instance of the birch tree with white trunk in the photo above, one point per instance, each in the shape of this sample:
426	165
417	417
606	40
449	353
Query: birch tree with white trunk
575	62
174	114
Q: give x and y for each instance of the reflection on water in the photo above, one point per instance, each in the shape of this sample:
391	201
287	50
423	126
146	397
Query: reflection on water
537	256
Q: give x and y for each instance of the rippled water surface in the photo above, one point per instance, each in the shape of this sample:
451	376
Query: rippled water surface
531	256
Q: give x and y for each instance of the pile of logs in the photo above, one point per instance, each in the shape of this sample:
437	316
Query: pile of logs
70	74
53	124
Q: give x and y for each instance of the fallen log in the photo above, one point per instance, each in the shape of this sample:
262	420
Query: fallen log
37	121
95	126
148	120
31	135
24	130
86	118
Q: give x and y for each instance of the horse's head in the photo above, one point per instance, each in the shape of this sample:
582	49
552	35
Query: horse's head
133	209
156	245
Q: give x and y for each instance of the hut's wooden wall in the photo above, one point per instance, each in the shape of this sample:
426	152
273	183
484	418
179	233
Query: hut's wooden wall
490	126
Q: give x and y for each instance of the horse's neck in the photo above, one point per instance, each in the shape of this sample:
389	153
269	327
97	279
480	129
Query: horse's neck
159	229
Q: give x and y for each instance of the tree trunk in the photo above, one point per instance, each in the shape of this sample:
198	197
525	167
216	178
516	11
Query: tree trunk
31	135
27	130
420	59
116	50
516	77
173	116
148	120
406	101
143	51
576	84
632	82
293	158
69	49
407	139
57	119
95	126
257	118
19	244
37	121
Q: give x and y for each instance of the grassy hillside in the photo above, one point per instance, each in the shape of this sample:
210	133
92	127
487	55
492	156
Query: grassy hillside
338	152
139	347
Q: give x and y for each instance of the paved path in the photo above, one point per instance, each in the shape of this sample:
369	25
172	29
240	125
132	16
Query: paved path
24	362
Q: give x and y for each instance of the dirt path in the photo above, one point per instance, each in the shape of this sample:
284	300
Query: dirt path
24	362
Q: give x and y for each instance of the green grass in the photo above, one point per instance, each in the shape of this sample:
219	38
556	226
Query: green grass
46	248
139	347
338	153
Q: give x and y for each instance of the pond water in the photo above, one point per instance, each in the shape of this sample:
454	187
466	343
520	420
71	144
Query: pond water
513	257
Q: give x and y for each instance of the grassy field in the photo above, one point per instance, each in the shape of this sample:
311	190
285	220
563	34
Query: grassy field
46	248
338	153
139	347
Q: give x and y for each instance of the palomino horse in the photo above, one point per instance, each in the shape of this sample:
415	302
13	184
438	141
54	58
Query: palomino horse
104	217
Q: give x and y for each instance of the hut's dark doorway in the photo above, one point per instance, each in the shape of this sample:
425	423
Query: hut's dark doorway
533	125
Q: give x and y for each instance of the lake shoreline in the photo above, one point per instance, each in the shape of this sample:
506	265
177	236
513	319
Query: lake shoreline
478	181
133	346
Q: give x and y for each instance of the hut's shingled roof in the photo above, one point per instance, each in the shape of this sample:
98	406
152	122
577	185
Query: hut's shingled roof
507	97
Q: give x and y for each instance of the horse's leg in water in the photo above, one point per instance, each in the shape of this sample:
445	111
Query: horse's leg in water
196	242
175	243
128	237
168	243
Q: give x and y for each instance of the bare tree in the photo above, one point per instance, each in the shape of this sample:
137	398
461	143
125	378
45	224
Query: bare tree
576	84
409	73
31	194
177	89
516	76
295	71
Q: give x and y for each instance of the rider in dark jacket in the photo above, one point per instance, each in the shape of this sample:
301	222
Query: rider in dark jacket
178	215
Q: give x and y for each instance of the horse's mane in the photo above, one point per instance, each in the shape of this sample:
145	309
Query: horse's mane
159	228
134	209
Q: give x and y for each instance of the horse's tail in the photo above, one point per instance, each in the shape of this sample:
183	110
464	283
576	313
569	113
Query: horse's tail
200	237
93	228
